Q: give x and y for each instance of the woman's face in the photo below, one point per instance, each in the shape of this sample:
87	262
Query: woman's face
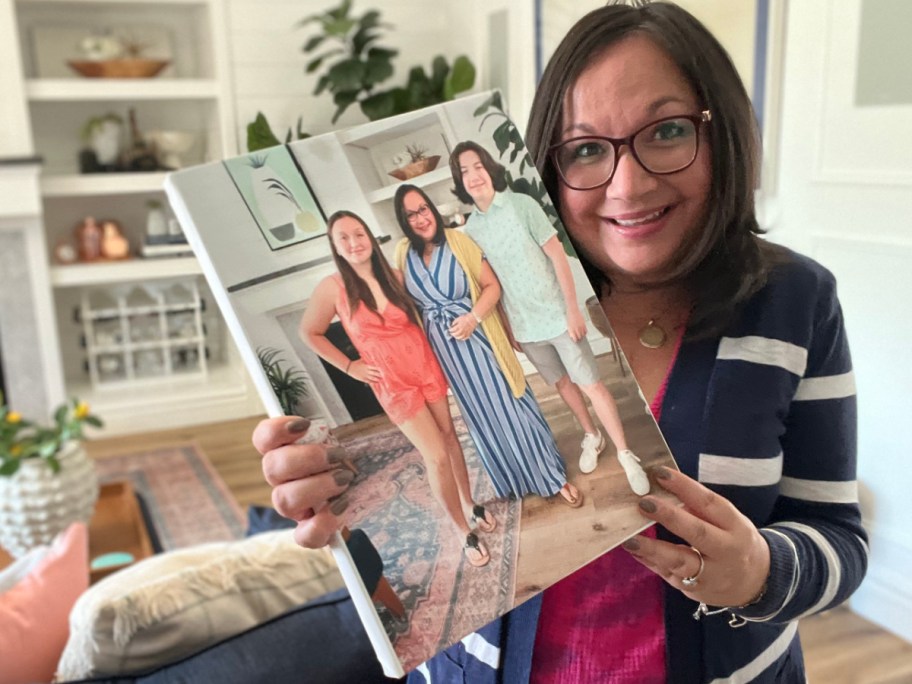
351	240
419	216
475	178
637	226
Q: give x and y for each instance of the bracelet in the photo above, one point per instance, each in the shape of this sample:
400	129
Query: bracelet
350	362
477	317
754	601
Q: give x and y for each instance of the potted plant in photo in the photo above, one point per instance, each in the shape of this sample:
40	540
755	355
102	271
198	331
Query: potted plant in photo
47	480
289	384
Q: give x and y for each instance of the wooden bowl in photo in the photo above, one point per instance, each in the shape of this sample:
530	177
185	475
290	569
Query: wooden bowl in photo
118	68
416	168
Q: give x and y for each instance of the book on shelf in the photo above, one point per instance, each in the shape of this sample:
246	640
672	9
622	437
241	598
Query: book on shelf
258	224
165	249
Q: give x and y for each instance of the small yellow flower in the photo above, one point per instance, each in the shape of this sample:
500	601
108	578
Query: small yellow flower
82	410
13	417
15	450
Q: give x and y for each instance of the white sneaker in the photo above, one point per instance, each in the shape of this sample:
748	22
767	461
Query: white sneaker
636	476
593	445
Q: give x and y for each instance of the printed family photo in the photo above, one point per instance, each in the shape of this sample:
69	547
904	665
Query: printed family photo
444	330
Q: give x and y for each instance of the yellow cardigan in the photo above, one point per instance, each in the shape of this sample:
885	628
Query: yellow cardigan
469	256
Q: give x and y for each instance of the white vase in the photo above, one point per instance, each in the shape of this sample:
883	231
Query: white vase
156	223
36	504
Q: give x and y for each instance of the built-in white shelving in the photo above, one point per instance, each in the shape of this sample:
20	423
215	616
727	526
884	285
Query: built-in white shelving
134	89
82	275
88	185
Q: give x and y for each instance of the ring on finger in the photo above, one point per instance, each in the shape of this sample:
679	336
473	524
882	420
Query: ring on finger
691	581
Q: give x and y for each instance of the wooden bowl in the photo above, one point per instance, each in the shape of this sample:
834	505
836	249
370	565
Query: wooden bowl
416	168
118	68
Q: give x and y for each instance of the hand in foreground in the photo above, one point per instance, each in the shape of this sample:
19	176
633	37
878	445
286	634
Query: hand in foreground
361	371
463	327
304	478
736	558
576	324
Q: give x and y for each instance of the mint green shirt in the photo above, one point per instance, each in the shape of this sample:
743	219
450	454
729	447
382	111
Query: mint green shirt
511	234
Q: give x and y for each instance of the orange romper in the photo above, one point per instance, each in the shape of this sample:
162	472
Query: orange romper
411	374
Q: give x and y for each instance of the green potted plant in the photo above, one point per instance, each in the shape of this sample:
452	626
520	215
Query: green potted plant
289	384
47	480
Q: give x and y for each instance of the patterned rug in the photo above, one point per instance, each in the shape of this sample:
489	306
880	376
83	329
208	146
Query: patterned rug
445	598
185	497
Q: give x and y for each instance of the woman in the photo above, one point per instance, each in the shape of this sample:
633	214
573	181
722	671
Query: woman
753	391
367	296
457	293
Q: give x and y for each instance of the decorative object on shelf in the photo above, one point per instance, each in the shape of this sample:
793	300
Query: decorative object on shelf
289	384
113	243
139	156
103	136
64	252
111	56
47	480
414	163
354	65
88	239
170	145
278	197
453	213
156	222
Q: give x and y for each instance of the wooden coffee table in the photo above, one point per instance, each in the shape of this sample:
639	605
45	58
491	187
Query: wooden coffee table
117	526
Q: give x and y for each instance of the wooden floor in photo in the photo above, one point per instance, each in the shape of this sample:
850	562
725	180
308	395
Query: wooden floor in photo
840	647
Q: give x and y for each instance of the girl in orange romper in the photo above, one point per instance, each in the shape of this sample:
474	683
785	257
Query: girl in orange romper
397	362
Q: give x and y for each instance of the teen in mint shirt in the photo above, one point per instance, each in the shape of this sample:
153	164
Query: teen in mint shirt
539	298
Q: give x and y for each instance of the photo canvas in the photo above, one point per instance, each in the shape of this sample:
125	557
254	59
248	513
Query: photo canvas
418	585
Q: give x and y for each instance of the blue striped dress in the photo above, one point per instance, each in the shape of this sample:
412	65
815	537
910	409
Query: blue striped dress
511	436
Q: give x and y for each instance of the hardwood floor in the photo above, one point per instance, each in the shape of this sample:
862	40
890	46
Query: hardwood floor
840	647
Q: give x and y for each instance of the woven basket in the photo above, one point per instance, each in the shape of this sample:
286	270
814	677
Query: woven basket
119	68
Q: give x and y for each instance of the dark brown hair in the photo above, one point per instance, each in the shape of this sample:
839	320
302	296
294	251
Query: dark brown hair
728	262
407	230
495	170
356	289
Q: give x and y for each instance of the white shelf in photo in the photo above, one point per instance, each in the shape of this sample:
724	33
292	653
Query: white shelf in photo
99	89
438	175
89	184
367	135
75	275
126	3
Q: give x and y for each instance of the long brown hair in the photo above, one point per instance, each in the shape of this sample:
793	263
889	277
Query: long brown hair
356	289
728	263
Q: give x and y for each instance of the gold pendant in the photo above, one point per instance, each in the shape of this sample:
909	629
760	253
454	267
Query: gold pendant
652	336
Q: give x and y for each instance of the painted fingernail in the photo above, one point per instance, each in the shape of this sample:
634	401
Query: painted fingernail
298	426
647	505
339	504
662	473
631	544
335	454
343	477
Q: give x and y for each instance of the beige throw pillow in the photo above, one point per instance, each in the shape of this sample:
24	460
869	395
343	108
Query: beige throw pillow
172	605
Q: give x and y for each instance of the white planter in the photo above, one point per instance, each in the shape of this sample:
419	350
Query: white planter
36	504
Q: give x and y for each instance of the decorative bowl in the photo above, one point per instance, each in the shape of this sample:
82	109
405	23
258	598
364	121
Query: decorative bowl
416	168
118	68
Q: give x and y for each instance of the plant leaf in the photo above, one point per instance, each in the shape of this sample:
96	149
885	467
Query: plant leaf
313	43
260	135
377	69
54	464
381	52
321	84
9	467
347	75
339	28
460	79
343	99
439	71
379	105
487	104
94	421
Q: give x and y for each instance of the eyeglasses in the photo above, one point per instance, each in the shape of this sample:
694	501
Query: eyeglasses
665	146
424	211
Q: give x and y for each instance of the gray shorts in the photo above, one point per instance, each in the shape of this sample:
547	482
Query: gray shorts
561	356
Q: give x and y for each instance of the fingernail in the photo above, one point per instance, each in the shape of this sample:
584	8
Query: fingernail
631	544
663	473
335	454
647	505
339	504
298	426
343	477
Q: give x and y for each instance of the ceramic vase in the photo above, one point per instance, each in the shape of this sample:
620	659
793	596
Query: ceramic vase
36	504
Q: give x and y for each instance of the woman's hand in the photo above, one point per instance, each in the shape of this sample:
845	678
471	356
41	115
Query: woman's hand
463	327
304	478
736	557
361	371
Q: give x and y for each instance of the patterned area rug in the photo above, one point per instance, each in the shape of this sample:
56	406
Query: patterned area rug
185	497
445	598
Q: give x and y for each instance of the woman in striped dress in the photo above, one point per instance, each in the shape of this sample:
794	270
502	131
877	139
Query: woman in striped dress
457	294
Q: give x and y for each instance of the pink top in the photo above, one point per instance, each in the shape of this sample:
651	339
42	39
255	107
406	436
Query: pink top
605	622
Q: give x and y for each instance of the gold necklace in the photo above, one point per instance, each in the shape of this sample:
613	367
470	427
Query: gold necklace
652	335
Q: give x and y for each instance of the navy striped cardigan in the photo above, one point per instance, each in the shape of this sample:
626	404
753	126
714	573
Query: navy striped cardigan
765	416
